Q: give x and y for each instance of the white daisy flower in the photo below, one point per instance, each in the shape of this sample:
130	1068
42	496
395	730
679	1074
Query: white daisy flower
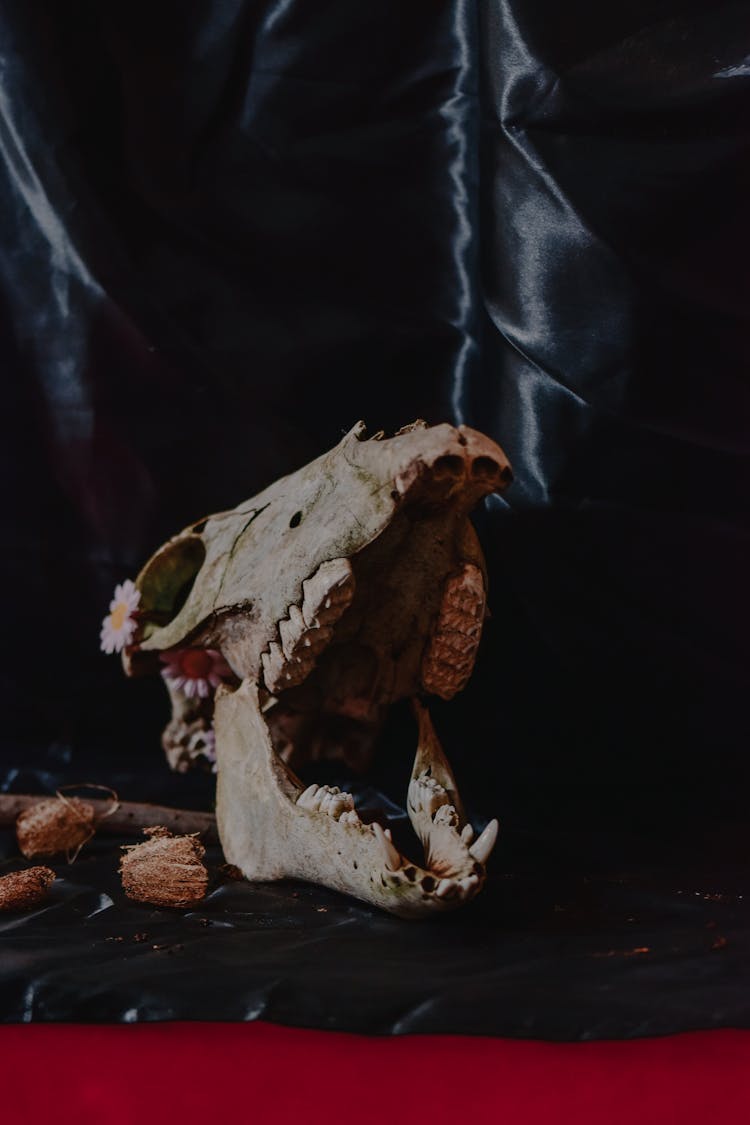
119	627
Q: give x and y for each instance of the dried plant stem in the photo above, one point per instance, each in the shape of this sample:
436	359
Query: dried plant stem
130	818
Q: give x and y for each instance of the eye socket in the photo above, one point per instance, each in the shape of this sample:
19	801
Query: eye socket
296	519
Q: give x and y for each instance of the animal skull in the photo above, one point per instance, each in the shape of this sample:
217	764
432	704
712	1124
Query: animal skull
348	585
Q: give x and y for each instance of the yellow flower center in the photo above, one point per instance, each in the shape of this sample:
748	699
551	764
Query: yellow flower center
119	615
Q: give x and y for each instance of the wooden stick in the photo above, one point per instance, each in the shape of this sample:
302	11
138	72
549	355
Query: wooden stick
129	818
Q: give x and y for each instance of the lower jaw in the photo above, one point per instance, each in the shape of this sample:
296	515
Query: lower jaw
269	836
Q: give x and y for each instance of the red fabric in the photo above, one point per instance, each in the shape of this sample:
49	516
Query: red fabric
180	1073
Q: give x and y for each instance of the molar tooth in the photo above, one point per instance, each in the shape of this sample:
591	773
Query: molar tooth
467	833
327	801
390	854
296	618
336	807
273	664
434	802
328	592
446	814
480	850
290	632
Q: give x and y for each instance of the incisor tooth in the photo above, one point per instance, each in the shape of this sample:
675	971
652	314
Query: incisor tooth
484	844
390	854
467	833
443	887
468	884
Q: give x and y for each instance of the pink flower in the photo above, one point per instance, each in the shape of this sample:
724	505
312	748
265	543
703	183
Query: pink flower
119	627
195	671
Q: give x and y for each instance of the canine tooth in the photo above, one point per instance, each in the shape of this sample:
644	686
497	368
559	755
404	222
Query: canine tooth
306	799
443	887
467	833
390	854
484	844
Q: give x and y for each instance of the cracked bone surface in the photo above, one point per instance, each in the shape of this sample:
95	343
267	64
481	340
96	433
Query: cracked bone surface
354	583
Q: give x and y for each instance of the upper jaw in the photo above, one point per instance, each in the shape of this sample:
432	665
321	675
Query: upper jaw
440	464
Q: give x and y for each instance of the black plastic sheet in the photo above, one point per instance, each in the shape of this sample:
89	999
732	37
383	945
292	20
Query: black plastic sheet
229	230
548	951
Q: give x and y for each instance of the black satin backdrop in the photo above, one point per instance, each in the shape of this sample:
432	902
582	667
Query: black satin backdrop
228	230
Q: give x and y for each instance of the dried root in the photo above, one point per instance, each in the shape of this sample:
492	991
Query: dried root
23	889
165	870
55	826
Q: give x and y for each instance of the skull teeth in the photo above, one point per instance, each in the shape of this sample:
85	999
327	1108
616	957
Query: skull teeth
449	658
307	630
329	800
306	799
391	855
482	847
427	795
446	814
350	817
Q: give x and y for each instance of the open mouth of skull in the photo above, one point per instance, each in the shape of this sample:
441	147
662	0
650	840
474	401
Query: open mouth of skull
391	623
